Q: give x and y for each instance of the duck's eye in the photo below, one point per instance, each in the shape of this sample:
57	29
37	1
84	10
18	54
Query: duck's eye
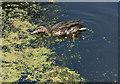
39	28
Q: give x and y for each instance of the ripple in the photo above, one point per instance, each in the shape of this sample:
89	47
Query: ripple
102	19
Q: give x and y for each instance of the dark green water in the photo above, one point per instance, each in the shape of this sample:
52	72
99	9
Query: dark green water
99	55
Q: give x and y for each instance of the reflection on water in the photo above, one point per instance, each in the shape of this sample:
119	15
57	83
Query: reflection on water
94	57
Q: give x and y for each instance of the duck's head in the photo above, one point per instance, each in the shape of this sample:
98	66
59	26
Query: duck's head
40	29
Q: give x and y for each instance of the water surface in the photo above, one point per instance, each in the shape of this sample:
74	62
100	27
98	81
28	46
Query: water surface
99	51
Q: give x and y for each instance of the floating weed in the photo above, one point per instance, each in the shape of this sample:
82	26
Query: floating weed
25	56
90	30
80	58
58	40
104	38
72	45
83	37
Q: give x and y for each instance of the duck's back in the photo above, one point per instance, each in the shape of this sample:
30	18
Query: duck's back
64	24
63	28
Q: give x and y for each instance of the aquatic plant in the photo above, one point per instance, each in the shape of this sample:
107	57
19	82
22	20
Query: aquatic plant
25	57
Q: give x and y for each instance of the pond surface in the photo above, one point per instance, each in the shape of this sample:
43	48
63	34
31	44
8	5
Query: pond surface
99	54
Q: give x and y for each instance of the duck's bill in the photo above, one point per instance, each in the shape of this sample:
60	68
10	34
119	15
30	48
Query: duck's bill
34	32
83	29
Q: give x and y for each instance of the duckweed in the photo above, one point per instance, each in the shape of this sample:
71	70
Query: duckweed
27	57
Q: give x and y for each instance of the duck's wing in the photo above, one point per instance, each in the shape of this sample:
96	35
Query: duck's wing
66	28
76	28
67	24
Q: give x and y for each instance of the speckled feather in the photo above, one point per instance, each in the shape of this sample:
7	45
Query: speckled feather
62	28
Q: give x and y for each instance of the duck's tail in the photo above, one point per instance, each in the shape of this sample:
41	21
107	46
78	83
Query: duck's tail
83	29
34	32
78	20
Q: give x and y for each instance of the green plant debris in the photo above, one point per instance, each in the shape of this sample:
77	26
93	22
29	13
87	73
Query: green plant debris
104	38
27	57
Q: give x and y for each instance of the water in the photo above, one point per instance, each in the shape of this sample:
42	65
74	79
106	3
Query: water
99	55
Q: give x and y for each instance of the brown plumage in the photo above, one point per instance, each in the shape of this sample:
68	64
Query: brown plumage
62	28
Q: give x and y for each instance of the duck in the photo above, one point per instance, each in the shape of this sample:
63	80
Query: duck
62	29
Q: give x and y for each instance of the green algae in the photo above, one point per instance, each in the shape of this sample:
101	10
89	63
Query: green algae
25	56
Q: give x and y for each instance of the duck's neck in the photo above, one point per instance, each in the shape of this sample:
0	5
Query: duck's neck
47	31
